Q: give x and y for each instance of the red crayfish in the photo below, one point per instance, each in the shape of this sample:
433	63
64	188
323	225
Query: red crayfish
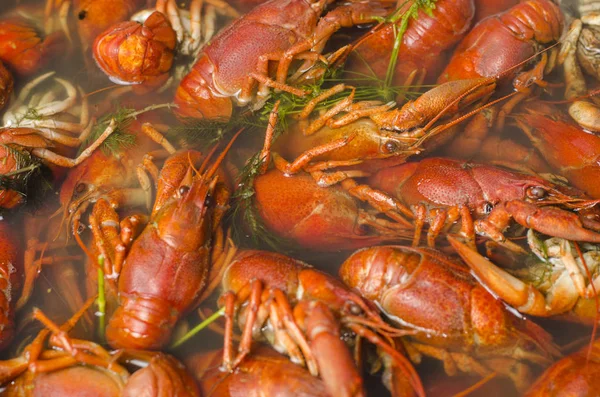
440	191
465	326
264	34
303	310
169	265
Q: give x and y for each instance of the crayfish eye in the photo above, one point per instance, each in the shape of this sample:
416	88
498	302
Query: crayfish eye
354	309
80	188
390	147
183	190
363	229
208	200
536	192
487	208
82	14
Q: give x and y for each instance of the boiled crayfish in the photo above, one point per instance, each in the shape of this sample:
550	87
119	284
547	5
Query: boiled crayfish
561	278
440	191
265	34
264	372
576	374
425	42
303	309
168	266
134	53
465	326
80	367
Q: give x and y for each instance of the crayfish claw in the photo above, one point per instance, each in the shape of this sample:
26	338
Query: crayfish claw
505	286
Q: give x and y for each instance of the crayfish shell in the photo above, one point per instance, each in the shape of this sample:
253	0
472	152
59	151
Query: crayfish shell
135	53
6	85
23	50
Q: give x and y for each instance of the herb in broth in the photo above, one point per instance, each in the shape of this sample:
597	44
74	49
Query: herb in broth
120	139
203	133
244	212
412	13
101	300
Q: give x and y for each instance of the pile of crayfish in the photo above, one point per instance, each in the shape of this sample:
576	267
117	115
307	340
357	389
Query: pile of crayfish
299	197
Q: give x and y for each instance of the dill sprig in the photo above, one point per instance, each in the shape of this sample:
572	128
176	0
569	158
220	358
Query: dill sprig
205	133
291	105
120	140
400	28
202	133
367	88
30	114
244	210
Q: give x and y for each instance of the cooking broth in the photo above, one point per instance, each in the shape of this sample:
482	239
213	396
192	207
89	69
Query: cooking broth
55	291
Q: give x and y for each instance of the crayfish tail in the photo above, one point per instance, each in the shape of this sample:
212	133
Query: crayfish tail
141	323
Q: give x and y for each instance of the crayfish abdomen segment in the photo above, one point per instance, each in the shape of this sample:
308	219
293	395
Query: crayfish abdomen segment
141	323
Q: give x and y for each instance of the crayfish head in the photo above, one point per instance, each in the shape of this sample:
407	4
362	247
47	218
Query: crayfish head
98	175
99	170
399	120
186	221
324	288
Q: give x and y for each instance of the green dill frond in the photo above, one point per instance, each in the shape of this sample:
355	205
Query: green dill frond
244	213
202	133
400	28
31	114
291	105
120	140
22	157
538	274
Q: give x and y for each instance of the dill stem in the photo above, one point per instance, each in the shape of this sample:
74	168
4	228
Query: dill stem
22	170
191	333
389	75
150	108
404	17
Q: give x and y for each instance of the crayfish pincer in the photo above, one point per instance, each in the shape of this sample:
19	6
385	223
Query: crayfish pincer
169	264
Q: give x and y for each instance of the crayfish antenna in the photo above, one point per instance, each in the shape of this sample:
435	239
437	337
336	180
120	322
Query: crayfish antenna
221	157
460	119
480	383
484	81
403	363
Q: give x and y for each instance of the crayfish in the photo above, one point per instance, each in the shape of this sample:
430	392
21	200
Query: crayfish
168	266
